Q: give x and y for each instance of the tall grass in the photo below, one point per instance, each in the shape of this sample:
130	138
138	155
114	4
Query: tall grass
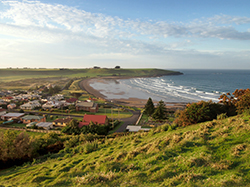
214	153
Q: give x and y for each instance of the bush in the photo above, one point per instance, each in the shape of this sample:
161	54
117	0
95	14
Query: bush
72	142
221	116
90	146
199	112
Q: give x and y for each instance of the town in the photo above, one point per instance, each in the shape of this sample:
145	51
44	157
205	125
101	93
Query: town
40	109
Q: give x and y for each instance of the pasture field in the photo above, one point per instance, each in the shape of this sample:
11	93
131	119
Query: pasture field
213	153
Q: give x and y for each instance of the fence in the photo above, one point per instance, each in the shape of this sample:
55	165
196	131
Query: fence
30	130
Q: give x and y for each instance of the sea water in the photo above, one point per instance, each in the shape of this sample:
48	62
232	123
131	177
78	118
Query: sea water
192	86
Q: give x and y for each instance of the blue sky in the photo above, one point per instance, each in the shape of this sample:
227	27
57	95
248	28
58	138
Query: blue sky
180	34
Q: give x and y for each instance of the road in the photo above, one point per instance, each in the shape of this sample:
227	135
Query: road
129	121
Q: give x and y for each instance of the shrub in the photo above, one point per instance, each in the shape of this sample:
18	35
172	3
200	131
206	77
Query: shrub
73	141
90	146
199	112
221	116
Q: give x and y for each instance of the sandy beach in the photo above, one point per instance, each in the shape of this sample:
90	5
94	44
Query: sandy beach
131	101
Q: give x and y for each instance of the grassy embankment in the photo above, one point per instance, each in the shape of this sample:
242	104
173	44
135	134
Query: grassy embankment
214	153
14	78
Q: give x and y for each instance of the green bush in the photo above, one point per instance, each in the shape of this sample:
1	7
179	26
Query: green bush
72	142
221	116
199	112
90	146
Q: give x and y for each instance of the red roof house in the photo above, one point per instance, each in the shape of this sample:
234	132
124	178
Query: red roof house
100	119
71	100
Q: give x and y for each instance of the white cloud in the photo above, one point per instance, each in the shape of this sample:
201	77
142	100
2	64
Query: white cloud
89	36
41	15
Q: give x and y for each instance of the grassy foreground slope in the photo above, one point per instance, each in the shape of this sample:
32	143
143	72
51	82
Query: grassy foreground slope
214	153
19	74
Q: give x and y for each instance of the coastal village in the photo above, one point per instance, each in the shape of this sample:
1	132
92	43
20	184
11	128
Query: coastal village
63	127
37	109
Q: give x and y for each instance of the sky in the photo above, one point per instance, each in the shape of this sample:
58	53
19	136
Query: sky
167	34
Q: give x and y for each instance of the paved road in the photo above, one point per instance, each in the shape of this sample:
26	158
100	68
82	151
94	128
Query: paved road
129	121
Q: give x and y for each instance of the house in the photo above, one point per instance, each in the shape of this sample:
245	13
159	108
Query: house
11	106
45	125
2	102
2	111
31	124
30	105
87	106
8	98
71	100
62	122
100	119
32	118
57	97
12	116
52	104
65	103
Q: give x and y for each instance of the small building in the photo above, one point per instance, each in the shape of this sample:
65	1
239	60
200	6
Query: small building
87	106
133	128
31	124
2	111
100	119
30	105
71	100
45	125
12	116
8	98
11	106
52	104
62	122
32	118
2	102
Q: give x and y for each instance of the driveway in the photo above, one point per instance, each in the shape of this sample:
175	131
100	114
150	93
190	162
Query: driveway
129	121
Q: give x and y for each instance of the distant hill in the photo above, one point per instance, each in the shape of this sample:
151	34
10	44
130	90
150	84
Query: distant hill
18	74
214	153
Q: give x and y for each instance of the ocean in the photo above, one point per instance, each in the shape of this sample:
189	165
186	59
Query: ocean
192	86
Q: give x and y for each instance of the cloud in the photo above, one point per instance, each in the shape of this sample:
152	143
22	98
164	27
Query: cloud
28	14
74	34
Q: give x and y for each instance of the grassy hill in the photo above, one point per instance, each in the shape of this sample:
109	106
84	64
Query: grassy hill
214	153
30	78
18	74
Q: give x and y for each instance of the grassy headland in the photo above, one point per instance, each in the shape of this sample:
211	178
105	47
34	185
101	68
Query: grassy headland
14	78
214	153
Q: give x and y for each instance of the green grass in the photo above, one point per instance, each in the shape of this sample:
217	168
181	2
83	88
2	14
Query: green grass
17	125
14	78
28	132
117	127
213	153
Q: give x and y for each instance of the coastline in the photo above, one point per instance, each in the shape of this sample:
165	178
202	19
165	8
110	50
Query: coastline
131	101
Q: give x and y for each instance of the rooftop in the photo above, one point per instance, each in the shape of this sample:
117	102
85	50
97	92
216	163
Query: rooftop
29	117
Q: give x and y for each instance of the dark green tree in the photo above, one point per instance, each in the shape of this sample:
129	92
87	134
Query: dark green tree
160	111
149	107
71	128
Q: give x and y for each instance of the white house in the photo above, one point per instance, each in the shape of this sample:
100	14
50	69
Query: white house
52	104
45	125
30	105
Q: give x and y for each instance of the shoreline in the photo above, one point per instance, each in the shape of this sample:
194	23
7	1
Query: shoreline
132	101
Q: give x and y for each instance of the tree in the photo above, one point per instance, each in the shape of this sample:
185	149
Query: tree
243	102
238	101
199	112
71	128
149	107
160	111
